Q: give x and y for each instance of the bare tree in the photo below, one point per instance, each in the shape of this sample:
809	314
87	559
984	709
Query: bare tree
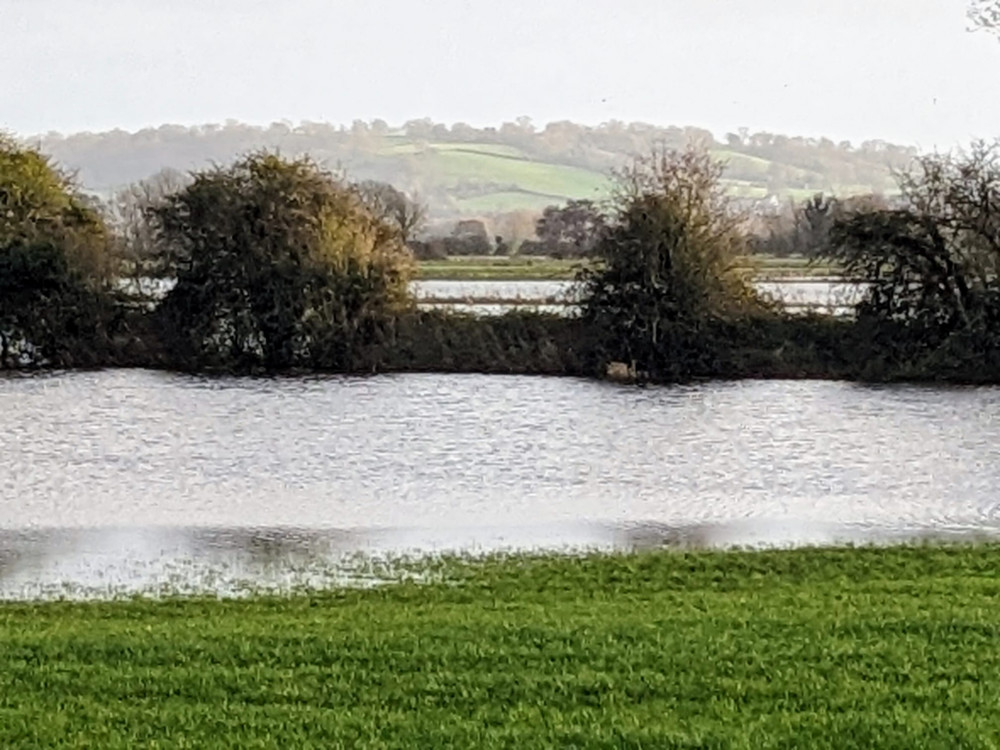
393	206
985	14
130	214
932	264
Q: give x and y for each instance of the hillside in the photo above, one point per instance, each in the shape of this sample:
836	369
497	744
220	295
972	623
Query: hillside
464	171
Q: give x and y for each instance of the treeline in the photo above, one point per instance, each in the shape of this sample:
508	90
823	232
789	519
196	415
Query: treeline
272	264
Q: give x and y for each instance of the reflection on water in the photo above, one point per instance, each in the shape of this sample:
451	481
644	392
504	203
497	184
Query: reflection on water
116	561
529	290
130	481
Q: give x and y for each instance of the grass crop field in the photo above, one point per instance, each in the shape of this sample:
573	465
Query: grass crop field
497	268
837	648
514	180
524	268
522	182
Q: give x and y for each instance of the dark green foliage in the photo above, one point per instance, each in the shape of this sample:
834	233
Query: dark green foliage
281	266
514	343
837	648
572	230
54	305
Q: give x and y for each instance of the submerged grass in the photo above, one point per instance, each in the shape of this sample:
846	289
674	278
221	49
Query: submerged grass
894	647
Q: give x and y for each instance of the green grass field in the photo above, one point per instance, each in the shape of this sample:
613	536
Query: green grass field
525	183
497	268
504	201
450	166
837	648
527	268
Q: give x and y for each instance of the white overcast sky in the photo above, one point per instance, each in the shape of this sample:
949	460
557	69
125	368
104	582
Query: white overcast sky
905	71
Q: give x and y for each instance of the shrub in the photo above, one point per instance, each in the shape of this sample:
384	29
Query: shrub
54	279
666	269
930	265
282	265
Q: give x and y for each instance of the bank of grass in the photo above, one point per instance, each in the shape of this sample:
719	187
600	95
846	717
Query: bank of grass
835	648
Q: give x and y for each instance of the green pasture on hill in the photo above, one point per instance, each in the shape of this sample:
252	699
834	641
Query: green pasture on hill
524	183
558	181
834	648
504	202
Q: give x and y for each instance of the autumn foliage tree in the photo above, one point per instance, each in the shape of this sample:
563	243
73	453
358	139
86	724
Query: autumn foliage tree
281	265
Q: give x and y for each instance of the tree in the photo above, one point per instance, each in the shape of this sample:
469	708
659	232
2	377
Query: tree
932	264
53	264
140	254
281	265
393	206
813	221
666	268
573	229
985	14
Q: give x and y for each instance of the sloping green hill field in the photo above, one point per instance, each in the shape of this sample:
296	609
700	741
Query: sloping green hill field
484	178
490	178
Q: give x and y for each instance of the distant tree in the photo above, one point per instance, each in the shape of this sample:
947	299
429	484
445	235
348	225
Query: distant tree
398	210
282	265
420	130
571	230
805	228
54	265
516	226
463	133
469	237
130	213
813	221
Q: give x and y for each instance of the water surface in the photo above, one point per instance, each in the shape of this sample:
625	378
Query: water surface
132	478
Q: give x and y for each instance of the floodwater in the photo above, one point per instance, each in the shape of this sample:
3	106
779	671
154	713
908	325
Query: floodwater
494	297
125	480
528	290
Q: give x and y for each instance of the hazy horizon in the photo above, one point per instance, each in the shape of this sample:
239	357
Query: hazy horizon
903	72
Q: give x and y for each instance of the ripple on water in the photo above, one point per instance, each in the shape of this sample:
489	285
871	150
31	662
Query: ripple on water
136	469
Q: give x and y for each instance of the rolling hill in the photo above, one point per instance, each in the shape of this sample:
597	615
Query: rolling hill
462	172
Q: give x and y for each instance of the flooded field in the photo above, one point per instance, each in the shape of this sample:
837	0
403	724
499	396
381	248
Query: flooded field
494	297
131	480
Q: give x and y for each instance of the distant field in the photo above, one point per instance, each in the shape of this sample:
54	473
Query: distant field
496	269
555	180
502	202
487	268
836	648
521	182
